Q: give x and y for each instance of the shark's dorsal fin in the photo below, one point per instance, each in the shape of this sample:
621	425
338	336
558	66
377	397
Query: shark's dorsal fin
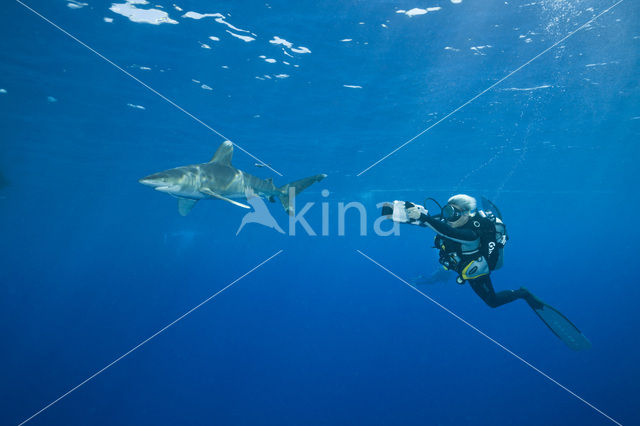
185	205
223	154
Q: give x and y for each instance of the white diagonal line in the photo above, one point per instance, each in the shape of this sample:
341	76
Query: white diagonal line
102	370
150	88
500	345
490	87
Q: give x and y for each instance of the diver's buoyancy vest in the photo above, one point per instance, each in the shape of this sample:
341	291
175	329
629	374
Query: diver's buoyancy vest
474	259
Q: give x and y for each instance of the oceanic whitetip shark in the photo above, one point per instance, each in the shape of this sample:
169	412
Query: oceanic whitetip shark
218	179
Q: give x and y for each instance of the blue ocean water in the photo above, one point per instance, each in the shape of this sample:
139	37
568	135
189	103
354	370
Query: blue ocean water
92	263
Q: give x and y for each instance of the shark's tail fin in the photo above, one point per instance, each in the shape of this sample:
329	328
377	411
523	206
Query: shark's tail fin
290	190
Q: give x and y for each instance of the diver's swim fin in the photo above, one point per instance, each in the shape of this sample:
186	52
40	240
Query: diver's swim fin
561	326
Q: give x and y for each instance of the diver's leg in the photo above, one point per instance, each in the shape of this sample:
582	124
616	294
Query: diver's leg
531	299
483	288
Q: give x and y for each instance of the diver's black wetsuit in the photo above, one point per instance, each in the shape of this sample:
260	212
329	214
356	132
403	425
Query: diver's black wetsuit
483	288
482	285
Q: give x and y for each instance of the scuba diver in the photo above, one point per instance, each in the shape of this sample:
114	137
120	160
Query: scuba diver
471	243
463	239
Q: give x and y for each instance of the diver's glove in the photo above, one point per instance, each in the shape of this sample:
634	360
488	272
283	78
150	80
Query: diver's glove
415	211
403	212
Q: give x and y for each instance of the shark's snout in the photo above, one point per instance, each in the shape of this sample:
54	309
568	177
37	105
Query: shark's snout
167	181
153	180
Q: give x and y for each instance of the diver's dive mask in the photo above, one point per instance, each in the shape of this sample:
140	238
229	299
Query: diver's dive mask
451	213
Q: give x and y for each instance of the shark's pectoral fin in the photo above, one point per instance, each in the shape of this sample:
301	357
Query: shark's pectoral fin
185	205
209	192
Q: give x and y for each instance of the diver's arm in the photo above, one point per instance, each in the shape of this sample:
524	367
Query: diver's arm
413	214
445	230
